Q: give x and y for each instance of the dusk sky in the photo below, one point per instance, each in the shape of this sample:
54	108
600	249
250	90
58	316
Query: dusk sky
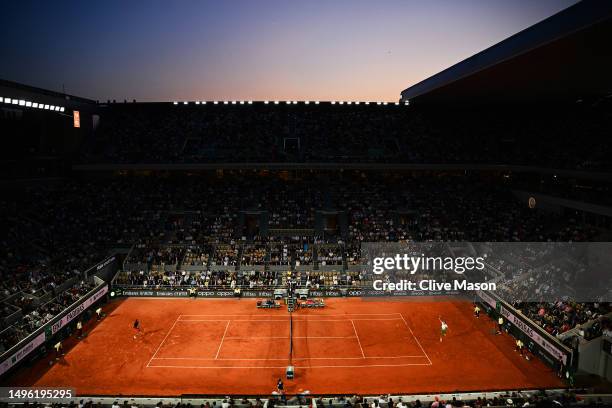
257	49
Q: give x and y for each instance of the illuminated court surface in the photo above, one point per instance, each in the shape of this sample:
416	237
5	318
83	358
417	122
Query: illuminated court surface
229	346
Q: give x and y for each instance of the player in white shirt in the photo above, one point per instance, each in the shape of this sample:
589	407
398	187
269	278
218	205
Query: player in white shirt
443	328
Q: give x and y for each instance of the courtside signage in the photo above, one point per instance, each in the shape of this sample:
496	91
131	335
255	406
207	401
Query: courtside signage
539	340
23	352
68	317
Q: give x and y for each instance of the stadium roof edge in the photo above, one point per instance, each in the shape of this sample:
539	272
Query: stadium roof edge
580	16
28	88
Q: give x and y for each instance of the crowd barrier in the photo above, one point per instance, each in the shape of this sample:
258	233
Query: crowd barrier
183	291
537	340
246	292
47	332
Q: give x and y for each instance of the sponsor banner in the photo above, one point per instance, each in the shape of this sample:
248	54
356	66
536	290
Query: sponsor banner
487	298
71	315
533	335
22	353
254	293
105	263
185	293
250	293
405	293
105	269
152	293
324	293
216	293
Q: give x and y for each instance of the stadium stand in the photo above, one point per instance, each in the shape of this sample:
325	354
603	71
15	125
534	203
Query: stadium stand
325	133
165	217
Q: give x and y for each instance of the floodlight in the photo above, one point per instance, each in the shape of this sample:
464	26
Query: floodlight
317	102
47	107
62	109
28	104
333	102
242	102
250	102
185	103
276	102
197	102
266	102
175	102
307	102
216	102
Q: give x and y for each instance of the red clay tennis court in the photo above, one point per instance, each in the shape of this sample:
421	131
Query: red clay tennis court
230	347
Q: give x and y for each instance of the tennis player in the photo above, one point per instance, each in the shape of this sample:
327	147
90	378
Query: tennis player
443	328
136	328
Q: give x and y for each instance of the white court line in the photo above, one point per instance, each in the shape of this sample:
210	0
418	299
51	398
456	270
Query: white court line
222	338
210	320
358	341
317	315
295	337
284	367
285	320
255	337
417	340
297	359
283	359
163	341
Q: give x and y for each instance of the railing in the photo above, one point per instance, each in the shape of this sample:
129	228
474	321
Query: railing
229	287
25	346
339	400
546	346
